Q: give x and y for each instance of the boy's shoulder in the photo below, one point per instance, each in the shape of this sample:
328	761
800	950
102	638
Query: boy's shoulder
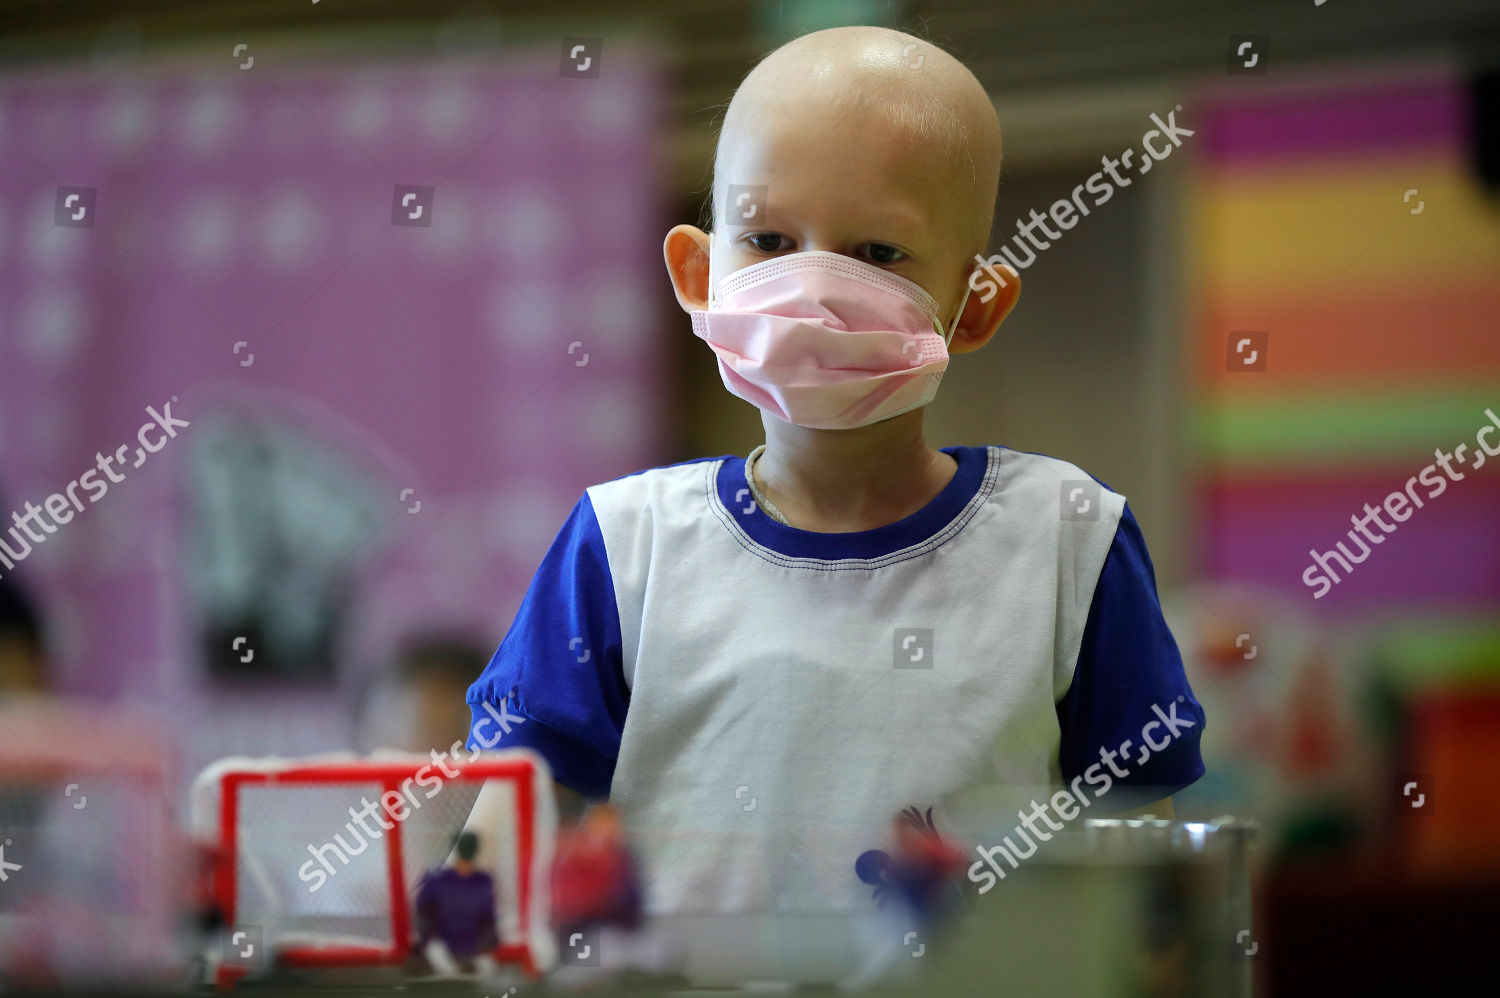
692	468
1055	489
678	481
1045	466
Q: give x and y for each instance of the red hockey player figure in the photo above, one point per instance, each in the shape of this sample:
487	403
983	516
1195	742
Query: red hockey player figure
926	865
594	877
598	907
455	913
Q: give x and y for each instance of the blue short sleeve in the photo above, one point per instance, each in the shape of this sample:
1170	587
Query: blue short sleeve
556	685
1129	701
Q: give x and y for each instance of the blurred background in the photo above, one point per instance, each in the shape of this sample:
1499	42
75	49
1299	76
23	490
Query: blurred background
398	266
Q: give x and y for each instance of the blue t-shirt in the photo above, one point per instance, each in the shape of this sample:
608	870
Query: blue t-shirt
759	700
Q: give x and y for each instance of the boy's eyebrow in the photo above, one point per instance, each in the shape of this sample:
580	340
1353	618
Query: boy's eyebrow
903	221
906	221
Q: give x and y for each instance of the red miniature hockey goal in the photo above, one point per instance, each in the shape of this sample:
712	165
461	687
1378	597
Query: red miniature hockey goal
317	860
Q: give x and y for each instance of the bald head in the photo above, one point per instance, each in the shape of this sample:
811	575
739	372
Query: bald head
868	143
883	96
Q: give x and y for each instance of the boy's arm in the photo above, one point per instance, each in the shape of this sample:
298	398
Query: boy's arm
556	683
1129	720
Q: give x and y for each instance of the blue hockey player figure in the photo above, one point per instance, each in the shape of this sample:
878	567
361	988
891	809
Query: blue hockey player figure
455	914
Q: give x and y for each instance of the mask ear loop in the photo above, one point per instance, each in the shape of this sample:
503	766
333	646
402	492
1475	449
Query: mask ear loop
953	327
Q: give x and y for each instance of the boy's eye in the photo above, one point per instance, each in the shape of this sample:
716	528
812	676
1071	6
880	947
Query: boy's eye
768	242
882	253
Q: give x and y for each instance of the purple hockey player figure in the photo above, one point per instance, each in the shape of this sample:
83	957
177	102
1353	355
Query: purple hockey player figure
455	914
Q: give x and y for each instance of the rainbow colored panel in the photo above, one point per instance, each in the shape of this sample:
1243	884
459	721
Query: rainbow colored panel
1343	230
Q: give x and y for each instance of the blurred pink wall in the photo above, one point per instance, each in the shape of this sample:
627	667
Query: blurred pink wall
243	262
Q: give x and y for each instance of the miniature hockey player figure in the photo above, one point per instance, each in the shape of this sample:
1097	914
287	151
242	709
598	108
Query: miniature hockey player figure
926	867
594	878
914	890
920	878
455	914
597	901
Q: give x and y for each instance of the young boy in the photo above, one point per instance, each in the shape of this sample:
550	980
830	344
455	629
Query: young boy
760	667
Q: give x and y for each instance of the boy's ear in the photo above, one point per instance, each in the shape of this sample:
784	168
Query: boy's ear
995	289
686	252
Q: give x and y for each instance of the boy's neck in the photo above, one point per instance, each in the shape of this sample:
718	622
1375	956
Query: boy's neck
839	481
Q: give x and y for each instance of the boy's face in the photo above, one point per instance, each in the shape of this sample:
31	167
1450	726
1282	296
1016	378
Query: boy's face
830	128
849	184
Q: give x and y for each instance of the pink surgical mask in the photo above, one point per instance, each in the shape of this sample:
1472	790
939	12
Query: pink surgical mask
824	340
